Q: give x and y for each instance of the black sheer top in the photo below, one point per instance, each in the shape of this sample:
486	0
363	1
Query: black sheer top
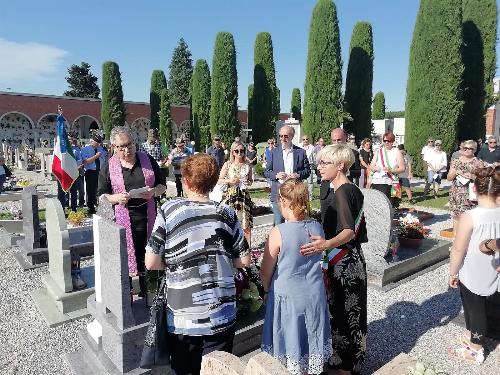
339	210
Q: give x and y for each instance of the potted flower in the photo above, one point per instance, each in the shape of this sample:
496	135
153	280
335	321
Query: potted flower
411	231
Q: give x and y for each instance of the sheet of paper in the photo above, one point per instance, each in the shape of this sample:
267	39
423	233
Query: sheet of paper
135	193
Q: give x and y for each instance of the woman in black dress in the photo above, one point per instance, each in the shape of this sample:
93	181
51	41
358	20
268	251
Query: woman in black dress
365	158
125	171
343	263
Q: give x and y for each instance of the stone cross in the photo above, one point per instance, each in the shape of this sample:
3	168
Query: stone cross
31	222
58	245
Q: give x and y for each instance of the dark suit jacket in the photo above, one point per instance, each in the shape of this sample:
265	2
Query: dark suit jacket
275	164
355	170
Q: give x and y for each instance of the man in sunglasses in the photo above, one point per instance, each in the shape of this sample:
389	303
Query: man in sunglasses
284	162
490	154
427	150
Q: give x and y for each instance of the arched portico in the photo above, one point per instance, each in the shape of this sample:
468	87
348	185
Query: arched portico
139	128
84	124
16	128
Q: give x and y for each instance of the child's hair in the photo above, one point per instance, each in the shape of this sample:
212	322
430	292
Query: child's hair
487	181
296	192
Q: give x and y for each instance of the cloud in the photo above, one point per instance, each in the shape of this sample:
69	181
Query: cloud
28	61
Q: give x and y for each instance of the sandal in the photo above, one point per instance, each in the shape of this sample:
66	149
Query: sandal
466	352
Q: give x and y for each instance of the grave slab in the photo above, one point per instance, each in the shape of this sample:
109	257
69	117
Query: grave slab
399	365
59	293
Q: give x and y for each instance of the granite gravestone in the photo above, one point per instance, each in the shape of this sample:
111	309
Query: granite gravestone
31	221
113	343
59	302
383	270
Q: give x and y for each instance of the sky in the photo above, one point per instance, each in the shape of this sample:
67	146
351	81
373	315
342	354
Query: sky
39	40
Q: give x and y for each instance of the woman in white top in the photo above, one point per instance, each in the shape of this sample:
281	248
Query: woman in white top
476	268
386	164
436	165
311	156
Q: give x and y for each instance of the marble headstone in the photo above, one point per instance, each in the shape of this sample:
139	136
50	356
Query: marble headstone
31	222
378	215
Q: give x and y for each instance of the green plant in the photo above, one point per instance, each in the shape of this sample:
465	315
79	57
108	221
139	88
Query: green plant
112	107
259	169
158	84
265	107
358	92
378	111
181	70
82	83
165	120
323	103
433	95
296	105
224	90
6	215
200	104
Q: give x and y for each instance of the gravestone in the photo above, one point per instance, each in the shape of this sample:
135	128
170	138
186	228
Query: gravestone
34	251
17	158
113	343
383	270
58	301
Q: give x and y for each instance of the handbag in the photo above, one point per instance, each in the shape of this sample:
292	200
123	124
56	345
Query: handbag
156	351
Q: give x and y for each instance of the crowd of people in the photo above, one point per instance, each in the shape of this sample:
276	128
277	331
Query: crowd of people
315	281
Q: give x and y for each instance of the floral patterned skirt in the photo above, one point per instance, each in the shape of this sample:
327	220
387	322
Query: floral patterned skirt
348	310
242	203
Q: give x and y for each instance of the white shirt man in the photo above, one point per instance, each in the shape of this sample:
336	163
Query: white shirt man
429	147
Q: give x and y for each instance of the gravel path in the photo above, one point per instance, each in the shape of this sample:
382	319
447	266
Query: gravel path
413	318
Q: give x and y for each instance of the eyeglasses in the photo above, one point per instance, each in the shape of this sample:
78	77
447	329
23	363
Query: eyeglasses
239	151
337	140
468	149
216	140
270	143
323	163
430	141
492	142
305	139
284	136
127	146
387	141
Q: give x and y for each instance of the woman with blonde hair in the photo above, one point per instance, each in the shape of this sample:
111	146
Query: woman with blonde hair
236	175
461	175
343	261
296	327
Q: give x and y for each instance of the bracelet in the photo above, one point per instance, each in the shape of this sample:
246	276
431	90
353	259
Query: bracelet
454	277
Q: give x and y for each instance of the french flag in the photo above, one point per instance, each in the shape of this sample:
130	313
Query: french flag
64	165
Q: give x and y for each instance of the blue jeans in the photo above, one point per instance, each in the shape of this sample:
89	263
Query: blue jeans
430	179
278	218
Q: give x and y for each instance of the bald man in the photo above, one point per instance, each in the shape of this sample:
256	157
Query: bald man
338	136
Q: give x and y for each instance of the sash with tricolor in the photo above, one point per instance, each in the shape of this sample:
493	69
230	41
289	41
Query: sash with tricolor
395	186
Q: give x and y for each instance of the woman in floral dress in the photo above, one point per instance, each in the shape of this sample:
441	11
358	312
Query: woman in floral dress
461	174
236	174
343	263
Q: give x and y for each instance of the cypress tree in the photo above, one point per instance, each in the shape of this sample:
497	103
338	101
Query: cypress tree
265	93
378	111
250	120
433	95
322	92
112	107
479	26
165	122
359	79
181	70
200	96
296	107
224	92
158	84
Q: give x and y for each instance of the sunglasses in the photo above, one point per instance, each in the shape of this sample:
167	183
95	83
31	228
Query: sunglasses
492	142
239	151
338	140
387	141
284	136
305	139
270	143
216	139
468	149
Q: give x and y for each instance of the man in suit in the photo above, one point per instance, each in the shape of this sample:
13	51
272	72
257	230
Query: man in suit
285	162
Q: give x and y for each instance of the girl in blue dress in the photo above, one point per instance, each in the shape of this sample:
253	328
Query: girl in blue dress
296	327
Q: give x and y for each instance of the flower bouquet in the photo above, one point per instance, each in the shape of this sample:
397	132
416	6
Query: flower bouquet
23	182
411	231
249	290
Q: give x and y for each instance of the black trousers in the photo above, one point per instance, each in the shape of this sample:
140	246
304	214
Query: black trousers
476	320
91	178
186	351
386	190
77	193
178	185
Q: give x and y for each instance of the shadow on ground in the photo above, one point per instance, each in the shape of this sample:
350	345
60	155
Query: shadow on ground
404	323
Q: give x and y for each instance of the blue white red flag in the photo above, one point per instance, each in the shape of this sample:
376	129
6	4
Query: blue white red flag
64	165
